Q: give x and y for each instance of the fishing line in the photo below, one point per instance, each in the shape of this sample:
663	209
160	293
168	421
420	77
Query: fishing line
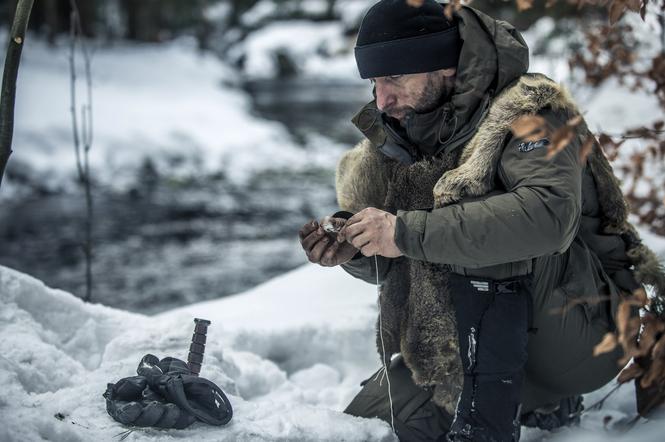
329	227
383	348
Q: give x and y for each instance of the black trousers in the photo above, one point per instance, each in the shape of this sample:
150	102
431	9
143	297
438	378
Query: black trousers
560	363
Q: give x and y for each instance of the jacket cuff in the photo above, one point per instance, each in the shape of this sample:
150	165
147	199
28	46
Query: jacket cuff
409	231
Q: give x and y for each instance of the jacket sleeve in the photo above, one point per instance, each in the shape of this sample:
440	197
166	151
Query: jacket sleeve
364	268
538	214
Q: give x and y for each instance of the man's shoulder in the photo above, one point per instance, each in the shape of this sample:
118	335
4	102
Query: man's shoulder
535	92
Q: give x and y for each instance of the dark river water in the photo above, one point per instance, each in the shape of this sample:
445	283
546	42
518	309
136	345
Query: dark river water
166	243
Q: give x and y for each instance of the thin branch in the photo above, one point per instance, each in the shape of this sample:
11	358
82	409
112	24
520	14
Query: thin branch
72	90
83	164
8	94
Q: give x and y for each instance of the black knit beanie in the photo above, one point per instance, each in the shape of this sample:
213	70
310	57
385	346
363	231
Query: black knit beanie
396	38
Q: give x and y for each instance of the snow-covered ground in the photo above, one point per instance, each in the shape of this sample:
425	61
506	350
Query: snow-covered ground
290	354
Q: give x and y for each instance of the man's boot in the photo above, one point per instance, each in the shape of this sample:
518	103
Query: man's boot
492	323
564	413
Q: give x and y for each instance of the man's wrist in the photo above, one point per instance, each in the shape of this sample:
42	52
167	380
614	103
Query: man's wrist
409	231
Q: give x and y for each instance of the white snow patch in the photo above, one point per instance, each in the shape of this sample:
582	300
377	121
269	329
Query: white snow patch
290	354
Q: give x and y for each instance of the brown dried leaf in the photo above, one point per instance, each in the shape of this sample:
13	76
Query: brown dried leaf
608	344
617	9
586	148
640	297
655	372
448	11
529	128
451	7
648	337
623	314
643	9
415	3
523	5
634	5
562	137
658	351
632	332
631	372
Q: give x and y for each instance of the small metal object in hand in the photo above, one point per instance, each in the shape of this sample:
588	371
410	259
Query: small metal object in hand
197	347
331	228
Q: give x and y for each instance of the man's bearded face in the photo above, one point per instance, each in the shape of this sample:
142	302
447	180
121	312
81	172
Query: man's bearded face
401	96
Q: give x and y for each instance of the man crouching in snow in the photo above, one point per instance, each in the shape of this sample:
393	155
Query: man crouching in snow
500	268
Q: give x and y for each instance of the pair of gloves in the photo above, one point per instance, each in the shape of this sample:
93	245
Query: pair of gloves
166	394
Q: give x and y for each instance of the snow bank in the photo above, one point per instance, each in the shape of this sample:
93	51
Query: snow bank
290	353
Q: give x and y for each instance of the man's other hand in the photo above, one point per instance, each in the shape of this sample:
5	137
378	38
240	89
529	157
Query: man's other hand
322	247
373	232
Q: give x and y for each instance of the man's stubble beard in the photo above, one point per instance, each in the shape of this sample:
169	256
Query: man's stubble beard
438	90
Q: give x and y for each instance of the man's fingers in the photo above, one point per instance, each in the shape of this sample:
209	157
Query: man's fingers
360	241
369	250
341	235
328	259
319	248
311	240
356	218
355	230
307	229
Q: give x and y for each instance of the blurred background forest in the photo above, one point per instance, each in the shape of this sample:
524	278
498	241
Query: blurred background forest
217	126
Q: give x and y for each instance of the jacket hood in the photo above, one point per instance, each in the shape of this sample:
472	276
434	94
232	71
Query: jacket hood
493	55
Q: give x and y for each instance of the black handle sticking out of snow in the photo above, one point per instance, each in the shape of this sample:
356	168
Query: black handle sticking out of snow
198	345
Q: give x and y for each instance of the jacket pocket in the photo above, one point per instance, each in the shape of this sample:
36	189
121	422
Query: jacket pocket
582	282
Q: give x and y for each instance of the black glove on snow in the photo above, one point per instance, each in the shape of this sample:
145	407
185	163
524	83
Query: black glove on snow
166	394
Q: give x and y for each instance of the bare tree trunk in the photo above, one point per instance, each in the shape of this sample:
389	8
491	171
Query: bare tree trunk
661	21
85	138
8	94
51	19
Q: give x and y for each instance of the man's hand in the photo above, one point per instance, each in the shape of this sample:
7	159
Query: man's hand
322	247
373	232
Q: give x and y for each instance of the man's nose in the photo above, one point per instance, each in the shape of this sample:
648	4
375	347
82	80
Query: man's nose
384	96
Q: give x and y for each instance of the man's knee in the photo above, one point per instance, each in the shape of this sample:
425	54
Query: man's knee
415	415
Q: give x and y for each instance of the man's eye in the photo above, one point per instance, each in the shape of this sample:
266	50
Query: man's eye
395	77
